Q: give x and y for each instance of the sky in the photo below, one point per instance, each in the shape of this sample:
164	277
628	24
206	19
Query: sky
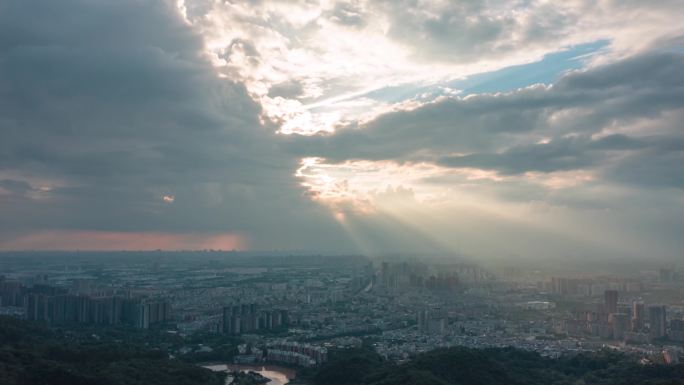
507	129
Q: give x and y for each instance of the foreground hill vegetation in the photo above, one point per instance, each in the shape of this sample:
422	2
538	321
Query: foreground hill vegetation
31	354
463	366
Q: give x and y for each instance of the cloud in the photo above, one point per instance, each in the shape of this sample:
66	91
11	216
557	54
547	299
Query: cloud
340	51
539	128
594	157
349	14
288	89
654	167
158	121
110	106
569	153
15	187
477	31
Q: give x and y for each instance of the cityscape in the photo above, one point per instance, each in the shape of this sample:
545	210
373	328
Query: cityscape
341	192
290	310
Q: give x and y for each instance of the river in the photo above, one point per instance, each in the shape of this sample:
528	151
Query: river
277	374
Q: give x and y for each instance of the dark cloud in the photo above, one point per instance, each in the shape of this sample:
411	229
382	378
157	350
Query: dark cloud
113	105
501	131
107	107
562	154
15	187
652	168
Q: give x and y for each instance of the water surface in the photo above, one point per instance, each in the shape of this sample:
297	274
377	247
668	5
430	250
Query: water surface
277	374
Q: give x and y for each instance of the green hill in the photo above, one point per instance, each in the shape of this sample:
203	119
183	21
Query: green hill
34	355
463	366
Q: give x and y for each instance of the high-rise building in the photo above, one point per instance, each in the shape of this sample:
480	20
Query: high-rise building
436	325
610	301
384	274
142	316
56	305
422	319
160	312
677	330
432	321
36	306
666	275
11	293
657	321
638	316
244	318
620	324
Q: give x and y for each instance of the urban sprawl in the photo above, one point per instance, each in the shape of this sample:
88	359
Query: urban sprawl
293	309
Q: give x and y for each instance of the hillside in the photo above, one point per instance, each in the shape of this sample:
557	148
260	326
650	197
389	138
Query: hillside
463	366
34	355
